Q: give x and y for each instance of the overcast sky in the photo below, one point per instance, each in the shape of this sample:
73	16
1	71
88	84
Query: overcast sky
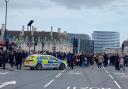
77	16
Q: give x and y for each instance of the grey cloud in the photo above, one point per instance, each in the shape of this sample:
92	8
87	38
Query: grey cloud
77	4
26	4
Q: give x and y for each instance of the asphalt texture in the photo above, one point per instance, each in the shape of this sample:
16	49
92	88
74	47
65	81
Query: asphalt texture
78	78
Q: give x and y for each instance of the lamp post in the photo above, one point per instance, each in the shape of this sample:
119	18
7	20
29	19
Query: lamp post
30	24
30	43
5	33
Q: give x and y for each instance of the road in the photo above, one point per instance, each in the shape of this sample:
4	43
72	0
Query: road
79	78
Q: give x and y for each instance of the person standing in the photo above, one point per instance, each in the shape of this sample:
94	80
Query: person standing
126	60
82	60
5	58
72	61
105	60
11	59
117	62
19	57
100	60
122	63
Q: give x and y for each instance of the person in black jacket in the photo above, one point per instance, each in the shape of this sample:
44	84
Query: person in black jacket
117	62
4	58
19	58
1	58
11	59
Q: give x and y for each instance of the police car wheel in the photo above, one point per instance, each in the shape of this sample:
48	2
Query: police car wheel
39	66
62	66
31	68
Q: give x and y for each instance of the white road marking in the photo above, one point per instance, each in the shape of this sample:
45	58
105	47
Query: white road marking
117	84
74	87
111	76
106	71
3	73
113	79
64	70
84	88
75	73
121	75
68	87
49	83
7	83
93	88
59	75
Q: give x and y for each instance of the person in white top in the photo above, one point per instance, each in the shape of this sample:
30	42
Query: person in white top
122	63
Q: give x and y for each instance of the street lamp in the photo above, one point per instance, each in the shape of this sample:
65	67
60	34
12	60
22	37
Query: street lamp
30	24
5	33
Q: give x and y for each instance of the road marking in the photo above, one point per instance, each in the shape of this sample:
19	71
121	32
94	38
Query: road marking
106	71
121	75
84	87
64	70
93	88
68	87
117	84
7	83
75	73
59	75
4	73
74	87
111	76
49	83
113	79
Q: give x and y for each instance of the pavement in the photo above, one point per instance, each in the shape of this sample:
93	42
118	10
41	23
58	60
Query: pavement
78	78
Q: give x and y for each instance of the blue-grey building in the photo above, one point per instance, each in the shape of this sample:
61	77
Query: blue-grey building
105	39
81	42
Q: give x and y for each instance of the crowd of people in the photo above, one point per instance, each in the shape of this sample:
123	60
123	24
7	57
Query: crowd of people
16	58
88	59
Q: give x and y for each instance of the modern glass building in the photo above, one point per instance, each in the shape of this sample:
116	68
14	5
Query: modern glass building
105	39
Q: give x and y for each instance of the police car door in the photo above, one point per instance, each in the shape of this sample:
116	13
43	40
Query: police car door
53	61
45	61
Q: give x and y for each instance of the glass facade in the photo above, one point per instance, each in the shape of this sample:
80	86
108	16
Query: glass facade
105	39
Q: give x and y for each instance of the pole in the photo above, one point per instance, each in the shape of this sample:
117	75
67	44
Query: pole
29	24
30	34
79	45
6	25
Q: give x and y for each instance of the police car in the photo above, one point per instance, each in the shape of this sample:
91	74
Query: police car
44	61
